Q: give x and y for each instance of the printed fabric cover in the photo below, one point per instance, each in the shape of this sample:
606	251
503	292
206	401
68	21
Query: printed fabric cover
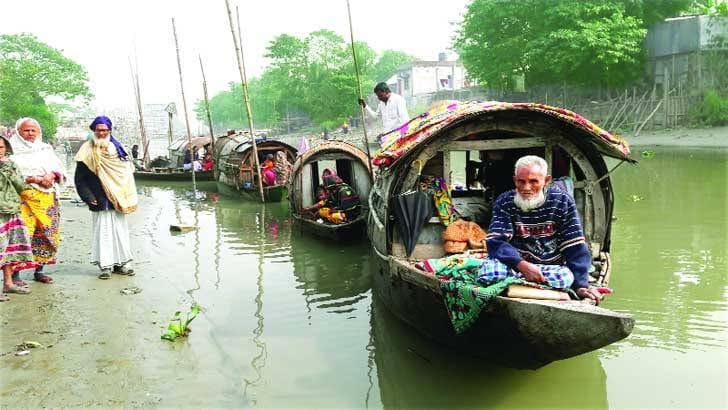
398	142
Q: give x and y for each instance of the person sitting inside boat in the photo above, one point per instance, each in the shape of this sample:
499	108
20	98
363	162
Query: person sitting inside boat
342	203
313	210
207	162
536	234
268	171
189	164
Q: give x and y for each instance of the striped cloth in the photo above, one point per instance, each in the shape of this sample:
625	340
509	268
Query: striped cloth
492	270
15	249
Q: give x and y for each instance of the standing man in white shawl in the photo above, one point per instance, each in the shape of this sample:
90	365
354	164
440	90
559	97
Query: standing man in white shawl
105	182
41	168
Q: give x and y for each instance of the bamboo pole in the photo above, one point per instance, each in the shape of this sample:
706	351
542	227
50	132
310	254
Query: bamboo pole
244	83
207	107
358	88
184	106
142	129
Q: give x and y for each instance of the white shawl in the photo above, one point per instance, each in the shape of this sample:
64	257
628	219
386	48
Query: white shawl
36	158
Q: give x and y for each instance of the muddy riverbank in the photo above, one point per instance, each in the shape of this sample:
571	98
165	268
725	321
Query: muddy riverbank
99	346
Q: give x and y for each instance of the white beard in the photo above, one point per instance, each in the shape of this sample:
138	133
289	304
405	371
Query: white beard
528	204
105	144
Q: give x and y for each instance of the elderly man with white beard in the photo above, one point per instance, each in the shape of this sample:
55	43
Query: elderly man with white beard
105	182
536	234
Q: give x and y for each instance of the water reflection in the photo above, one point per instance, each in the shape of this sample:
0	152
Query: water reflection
670	249
334	277
290	321
416	373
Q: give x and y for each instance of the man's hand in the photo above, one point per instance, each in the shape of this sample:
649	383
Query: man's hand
590	293
531	272
362	103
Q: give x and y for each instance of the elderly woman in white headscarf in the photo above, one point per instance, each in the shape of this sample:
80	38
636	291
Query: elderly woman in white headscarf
44	172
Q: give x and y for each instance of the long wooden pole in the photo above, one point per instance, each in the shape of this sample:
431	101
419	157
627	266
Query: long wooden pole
184	106
358	83
207	107
140	111
244	83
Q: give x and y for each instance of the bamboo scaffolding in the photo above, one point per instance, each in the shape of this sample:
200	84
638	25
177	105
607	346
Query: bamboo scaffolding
244	83
358	88
184	106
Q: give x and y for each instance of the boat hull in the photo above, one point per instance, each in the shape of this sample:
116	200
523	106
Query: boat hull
352	231
520	333
277	193
174	176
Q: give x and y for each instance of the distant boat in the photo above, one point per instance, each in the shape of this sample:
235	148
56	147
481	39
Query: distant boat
172	168
235	166
351	165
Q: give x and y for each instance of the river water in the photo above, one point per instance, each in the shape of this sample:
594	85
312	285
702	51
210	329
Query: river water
291	322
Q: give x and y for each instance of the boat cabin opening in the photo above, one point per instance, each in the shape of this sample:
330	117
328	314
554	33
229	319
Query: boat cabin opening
348	162
476	160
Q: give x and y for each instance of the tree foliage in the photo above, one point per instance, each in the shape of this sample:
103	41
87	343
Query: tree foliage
575	42
30	72
313	75
389	62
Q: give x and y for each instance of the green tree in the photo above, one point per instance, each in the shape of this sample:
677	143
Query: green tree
313	75
388	63
30	72
586	42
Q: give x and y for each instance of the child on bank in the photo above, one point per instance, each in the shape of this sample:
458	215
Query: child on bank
15	250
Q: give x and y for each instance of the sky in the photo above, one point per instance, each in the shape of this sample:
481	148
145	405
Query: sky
103	35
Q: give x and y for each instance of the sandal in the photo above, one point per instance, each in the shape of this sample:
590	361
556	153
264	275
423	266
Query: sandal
16	289
4	297
105	275
20	282
43	278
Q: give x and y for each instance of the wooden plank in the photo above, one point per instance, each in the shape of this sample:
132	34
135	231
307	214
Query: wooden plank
421	251
481	145
409	273
446	166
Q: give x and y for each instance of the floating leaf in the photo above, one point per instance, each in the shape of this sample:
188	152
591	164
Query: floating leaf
176	328
177	313
195	309
648	154
169	336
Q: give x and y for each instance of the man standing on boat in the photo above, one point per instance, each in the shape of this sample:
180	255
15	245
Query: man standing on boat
105	182
392	109
536	234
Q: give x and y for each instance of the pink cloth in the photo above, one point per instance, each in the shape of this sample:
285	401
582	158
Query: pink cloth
269	177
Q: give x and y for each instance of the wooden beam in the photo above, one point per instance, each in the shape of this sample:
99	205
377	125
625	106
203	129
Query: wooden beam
482	145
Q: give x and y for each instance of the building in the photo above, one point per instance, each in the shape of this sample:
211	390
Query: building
421	78
687	51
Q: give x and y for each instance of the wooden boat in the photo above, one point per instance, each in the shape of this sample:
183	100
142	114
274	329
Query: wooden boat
235	166
173	170
173	174
524	333
352	165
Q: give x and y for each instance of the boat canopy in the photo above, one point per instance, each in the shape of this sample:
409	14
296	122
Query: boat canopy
349	162
417	132
180	144
471	148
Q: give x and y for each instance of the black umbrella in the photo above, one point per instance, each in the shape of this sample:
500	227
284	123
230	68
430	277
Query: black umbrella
412	210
